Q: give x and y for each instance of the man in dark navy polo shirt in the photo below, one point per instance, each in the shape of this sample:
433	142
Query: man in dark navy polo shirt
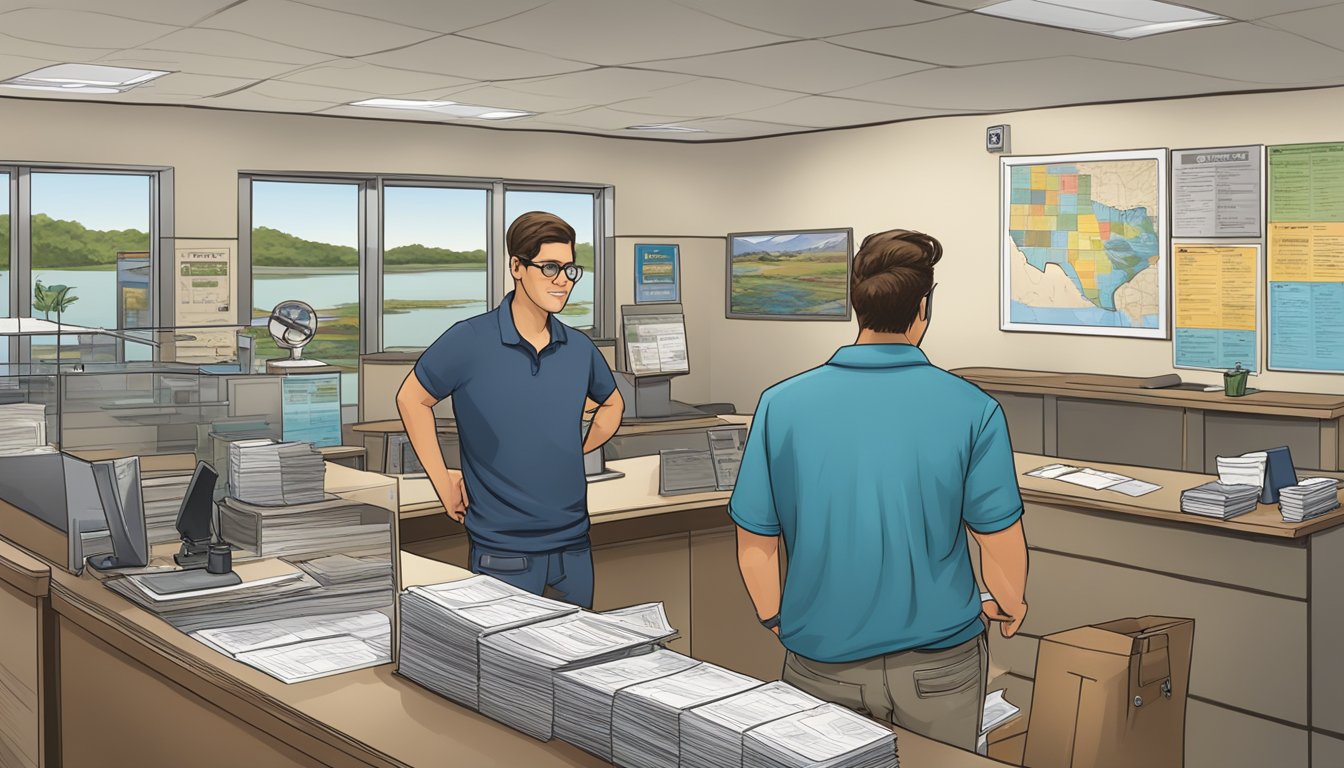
519	379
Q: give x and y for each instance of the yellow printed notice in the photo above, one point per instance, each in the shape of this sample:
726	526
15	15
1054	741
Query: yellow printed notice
1311	252
1215	286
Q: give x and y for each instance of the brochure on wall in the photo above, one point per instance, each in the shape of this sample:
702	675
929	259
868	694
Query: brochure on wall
657	273
205	291
1305	260
1217	301
1216	192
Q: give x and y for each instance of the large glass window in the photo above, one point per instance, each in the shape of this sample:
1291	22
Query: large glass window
577	208
83	224
4	258
435	251
305	246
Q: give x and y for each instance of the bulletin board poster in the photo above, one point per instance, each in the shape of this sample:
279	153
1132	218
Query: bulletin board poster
205	299
1216	292
657	273
1305	257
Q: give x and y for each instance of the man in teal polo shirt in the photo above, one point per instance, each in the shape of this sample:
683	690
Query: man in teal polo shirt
872	468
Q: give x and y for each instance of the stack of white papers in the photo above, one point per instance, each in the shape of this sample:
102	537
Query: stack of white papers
344	569
517	665
646	718
1220	500
828	735
998	711
440	636
326	526
23	429
1247	469
1095	479
712	734
1312	497
268	473
252	601
584	697
299	649
162	499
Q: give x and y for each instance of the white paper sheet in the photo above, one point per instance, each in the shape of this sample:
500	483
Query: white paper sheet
1135	488
316	658
1094	479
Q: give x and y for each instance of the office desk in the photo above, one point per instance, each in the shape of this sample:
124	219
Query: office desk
1265	596
182	704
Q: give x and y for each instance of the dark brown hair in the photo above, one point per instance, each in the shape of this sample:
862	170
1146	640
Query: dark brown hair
534	229
893	270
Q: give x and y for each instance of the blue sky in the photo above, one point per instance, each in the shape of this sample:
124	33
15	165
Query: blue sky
98	201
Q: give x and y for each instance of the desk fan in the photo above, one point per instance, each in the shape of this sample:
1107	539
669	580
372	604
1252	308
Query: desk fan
292	325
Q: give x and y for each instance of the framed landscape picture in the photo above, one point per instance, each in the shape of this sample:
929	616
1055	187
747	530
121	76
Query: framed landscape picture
790	275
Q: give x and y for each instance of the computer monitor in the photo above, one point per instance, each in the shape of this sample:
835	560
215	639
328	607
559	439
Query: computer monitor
310	408
118	484
194	517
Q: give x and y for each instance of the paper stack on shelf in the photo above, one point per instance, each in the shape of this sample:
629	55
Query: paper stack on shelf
829	735
268	473
440	634
296	649
1312	497
646	718
23	429
712	734
1246	469
353	584
1215	499
584	697
162	499
326	526
517	665
268	592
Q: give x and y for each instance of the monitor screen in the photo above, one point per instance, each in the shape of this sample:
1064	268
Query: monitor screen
654	342
310	409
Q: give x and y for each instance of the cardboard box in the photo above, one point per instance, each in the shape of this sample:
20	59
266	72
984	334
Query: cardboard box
1111	695
1008	742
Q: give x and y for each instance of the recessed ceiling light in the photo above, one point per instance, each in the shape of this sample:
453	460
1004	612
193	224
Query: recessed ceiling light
450	108
83	78
1123	19
665	128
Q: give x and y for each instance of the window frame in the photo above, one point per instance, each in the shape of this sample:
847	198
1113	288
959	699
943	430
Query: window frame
161	233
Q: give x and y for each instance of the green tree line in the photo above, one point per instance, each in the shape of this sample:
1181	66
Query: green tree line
64	244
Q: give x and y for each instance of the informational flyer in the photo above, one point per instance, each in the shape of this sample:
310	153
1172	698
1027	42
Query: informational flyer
1216	291
205	304
310	408
1217	192
657	273
1305	258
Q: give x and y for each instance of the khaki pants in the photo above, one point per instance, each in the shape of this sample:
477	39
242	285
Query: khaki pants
939	694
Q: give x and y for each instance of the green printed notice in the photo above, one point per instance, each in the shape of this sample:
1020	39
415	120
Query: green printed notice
1306	182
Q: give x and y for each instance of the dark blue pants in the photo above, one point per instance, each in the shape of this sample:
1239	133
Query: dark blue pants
569	572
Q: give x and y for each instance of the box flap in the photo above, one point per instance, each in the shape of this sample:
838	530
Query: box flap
1093	639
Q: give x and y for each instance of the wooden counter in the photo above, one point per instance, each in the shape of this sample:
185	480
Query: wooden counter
1110	418
27	661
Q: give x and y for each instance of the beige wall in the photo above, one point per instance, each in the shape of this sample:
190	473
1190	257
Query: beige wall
932	175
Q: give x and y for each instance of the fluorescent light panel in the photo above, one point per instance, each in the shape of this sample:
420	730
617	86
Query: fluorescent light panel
1125	19
450	108
83	78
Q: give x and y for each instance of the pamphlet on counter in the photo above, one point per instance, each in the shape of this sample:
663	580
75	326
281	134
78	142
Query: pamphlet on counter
1095	479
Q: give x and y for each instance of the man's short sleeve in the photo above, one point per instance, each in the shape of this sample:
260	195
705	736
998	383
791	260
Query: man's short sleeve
991	500
600	381
752	505
443	366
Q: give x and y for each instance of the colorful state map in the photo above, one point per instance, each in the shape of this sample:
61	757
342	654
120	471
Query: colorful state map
1095	223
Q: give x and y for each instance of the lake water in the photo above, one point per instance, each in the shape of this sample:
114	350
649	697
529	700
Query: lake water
97	302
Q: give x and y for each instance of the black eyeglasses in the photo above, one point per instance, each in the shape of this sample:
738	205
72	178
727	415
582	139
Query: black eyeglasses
928	304
552	268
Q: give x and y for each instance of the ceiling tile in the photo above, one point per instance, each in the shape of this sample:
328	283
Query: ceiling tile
1248	53
48	53
254	99
196	63
474	60
600	86
829	112
808	18
219	42
79	29
607	119
809	66
1253	9
169	87
432	14
314	29
361	76
733	128
619	31
706	97
1032	84
175	12
1324	25
978	40
307	98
